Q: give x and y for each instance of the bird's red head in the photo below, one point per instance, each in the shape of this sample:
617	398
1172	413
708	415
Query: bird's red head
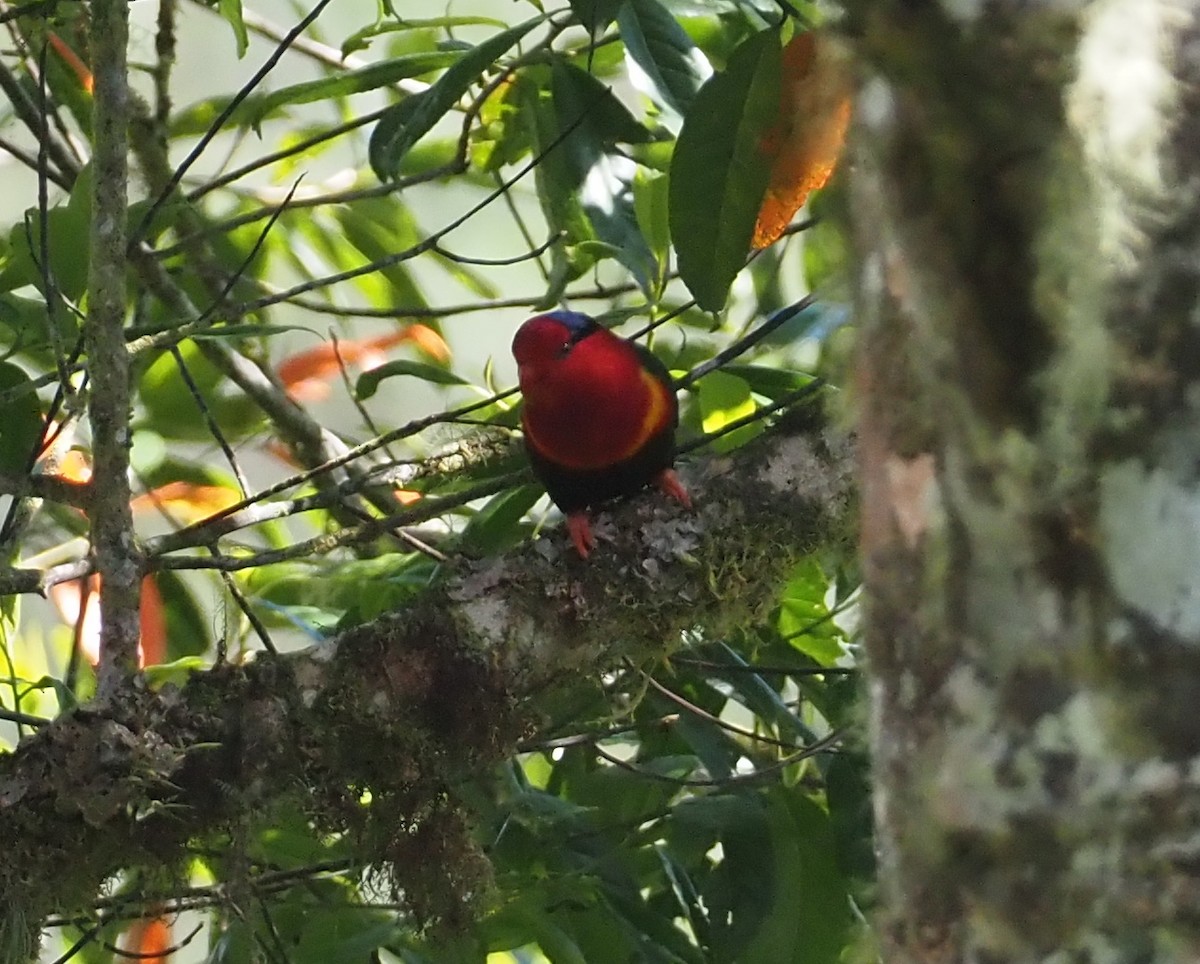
546	339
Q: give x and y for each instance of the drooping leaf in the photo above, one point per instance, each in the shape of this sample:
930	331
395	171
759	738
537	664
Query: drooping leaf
69	78
148	940
808	915
21	416
186	501
368	382
344	83
406	123
595	15
231	11
718	173
672	64
557	189
651	206
81	70
804	142
307	374
251	112
593	121
581	99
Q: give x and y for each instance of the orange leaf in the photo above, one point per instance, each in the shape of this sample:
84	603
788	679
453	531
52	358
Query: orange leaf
149	940
86	81
283	453
153	623
429	341
59	460
407	497
189	501
75	467
807	137
305	375
78	602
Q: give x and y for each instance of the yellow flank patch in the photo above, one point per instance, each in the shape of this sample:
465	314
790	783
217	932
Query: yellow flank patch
657	409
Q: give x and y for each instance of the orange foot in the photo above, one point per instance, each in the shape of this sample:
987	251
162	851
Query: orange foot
668	482
580	528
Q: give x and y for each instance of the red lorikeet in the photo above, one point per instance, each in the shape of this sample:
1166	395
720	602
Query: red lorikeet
599	418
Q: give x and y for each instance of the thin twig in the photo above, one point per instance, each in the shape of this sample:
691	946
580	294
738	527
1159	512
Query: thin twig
826	744
31	162
218	123
155	955
168	544
323	544
417	249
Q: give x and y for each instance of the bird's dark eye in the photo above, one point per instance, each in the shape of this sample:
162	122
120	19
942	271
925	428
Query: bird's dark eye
565	350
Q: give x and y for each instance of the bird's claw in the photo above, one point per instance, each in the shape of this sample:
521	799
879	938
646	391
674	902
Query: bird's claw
580	528
668	483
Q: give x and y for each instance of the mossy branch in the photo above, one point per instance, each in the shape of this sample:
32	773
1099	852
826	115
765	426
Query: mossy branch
416	702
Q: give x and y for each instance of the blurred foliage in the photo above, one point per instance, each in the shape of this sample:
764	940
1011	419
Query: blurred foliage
712	808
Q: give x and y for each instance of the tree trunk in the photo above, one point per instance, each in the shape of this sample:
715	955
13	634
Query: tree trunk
1025	205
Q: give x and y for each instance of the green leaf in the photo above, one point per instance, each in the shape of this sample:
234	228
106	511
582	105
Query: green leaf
725	398
188	632
737	893
344	83
410	120
593	172
341	934
495	526
68	226
763	701
231	10
217	332
21	416
808	918
718	175
29	322
170	408
368	382
198	117
503	135
804	618
826	251
651	207
557	183
848	791
595	15
378	228
673	64
361	39
579	96
771	382
176	672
